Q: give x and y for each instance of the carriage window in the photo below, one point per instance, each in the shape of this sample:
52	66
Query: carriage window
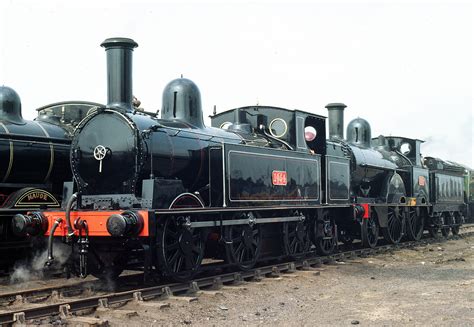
405	148
278	127
309	133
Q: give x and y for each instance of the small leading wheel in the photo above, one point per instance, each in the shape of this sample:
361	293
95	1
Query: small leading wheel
296	238
447	222
243	244
180	248
415	224
370	231
393	233
457	223
325	235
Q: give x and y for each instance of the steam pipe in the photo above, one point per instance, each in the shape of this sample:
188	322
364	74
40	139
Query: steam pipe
50	260
289	147
336	120
69	204
119	73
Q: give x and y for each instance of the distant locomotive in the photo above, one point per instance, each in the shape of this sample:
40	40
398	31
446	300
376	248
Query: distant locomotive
34	165
166	193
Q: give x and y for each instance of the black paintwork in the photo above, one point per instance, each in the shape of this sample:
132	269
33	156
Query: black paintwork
10	106
34	161
139	146
336	120
420	185
296	121
359	133
447	188
338	179
36	153
182	101
249	176
256	156
119	72
410	148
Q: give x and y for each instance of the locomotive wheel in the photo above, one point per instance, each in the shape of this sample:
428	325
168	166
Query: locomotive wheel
243	245
325	236
457	223
447	221
393	233
296	238
180	249
370	231
415	224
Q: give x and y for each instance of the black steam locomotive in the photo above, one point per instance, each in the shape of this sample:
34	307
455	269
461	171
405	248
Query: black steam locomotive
263	182
34	164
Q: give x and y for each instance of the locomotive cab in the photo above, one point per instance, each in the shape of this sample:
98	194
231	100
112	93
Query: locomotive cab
290	129
408	150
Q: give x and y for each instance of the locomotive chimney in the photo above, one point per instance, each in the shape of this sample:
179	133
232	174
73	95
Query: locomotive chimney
119	72
336	120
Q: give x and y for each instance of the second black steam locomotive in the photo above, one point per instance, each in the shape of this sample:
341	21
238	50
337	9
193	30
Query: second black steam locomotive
34	164
167	192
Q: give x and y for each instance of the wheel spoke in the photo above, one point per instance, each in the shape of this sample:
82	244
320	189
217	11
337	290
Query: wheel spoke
179	263
173	257
293	241
241	257
172	246
243	249
239	248
171	234
188	263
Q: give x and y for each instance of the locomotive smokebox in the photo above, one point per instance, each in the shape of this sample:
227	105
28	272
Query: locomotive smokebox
10	106
336	120
119	72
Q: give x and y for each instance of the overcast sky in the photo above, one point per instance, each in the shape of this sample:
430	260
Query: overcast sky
405	67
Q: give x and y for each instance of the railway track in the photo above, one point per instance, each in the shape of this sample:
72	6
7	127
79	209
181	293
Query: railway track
63	301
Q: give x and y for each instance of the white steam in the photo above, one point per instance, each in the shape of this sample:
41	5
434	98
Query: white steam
33	268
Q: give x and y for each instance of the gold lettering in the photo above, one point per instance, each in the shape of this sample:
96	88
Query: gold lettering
37	196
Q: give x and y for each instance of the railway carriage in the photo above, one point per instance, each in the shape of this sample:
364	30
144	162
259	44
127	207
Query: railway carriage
262	183
448	196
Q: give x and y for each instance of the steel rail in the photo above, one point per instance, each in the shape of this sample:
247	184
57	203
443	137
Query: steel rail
95	301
